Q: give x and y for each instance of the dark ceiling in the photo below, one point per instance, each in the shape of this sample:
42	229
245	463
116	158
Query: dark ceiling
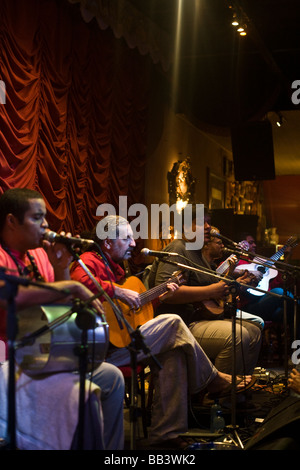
224	79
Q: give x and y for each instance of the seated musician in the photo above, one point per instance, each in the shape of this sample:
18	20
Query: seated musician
267	306
200	302
183	366
47	410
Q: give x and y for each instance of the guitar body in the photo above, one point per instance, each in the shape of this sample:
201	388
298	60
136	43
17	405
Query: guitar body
210	309
269	274
118	334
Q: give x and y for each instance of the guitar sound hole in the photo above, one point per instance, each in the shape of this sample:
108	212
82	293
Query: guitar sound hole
261	269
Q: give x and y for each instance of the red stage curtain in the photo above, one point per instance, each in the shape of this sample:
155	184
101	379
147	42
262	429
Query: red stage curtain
75	119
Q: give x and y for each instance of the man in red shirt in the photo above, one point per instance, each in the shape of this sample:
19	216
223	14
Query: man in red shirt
47	409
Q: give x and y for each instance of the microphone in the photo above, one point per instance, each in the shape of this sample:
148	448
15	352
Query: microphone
214	233
158	254
55	237
241	254
227	251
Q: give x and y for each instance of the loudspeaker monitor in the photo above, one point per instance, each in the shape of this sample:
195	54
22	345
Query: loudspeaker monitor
280	429
253	151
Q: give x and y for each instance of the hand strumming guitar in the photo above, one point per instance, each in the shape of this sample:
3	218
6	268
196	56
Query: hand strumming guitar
248	278
217	290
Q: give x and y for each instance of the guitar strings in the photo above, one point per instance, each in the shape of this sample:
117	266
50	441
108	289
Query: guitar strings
147	296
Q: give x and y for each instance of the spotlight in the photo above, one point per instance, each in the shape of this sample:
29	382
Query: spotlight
279	120
235	20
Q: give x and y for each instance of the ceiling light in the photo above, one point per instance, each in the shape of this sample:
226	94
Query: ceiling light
235	20
238	18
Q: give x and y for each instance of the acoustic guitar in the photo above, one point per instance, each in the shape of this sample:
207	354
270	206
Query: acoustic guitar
266	271
213	309
118	332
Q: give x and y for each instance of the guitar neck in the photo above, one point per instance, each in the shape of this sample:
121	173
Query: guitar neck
230	263
274	257
151	294
222	268
227	266
279	253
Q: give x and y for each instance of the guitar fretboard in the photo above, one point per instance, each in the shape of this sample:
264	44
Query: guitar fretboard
290	243
156	291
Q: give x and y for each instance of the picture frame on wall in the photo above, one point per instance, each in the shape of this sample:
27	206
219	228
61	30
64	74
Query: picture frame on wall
216	190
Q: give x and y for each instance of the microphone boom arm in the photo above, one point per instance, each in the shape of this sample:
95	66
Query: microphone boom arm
225	279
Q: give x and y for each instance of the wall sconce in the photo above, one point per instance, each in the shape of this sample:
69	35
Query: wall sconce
181	184
280	120
181	188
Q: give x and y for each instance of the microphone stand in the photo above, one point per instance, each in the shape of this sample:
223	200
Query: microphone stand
9	293
84	322
232	308
134	347
294	272
296	301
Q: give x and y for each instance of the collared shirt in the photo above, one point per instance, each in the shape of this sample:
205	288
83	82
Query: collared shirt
105	273
43	264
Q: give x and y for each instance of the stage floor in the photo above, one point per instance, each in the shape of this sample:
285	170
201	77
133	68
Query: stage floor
251	411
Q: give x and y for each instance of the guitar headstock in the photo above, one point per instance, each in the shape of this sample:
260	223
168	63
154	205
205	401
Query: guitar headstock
292	242
244	245
178	277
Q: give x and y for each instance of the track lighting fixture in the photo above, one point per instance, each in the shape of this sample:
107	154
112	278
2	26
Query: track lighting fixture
238	21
